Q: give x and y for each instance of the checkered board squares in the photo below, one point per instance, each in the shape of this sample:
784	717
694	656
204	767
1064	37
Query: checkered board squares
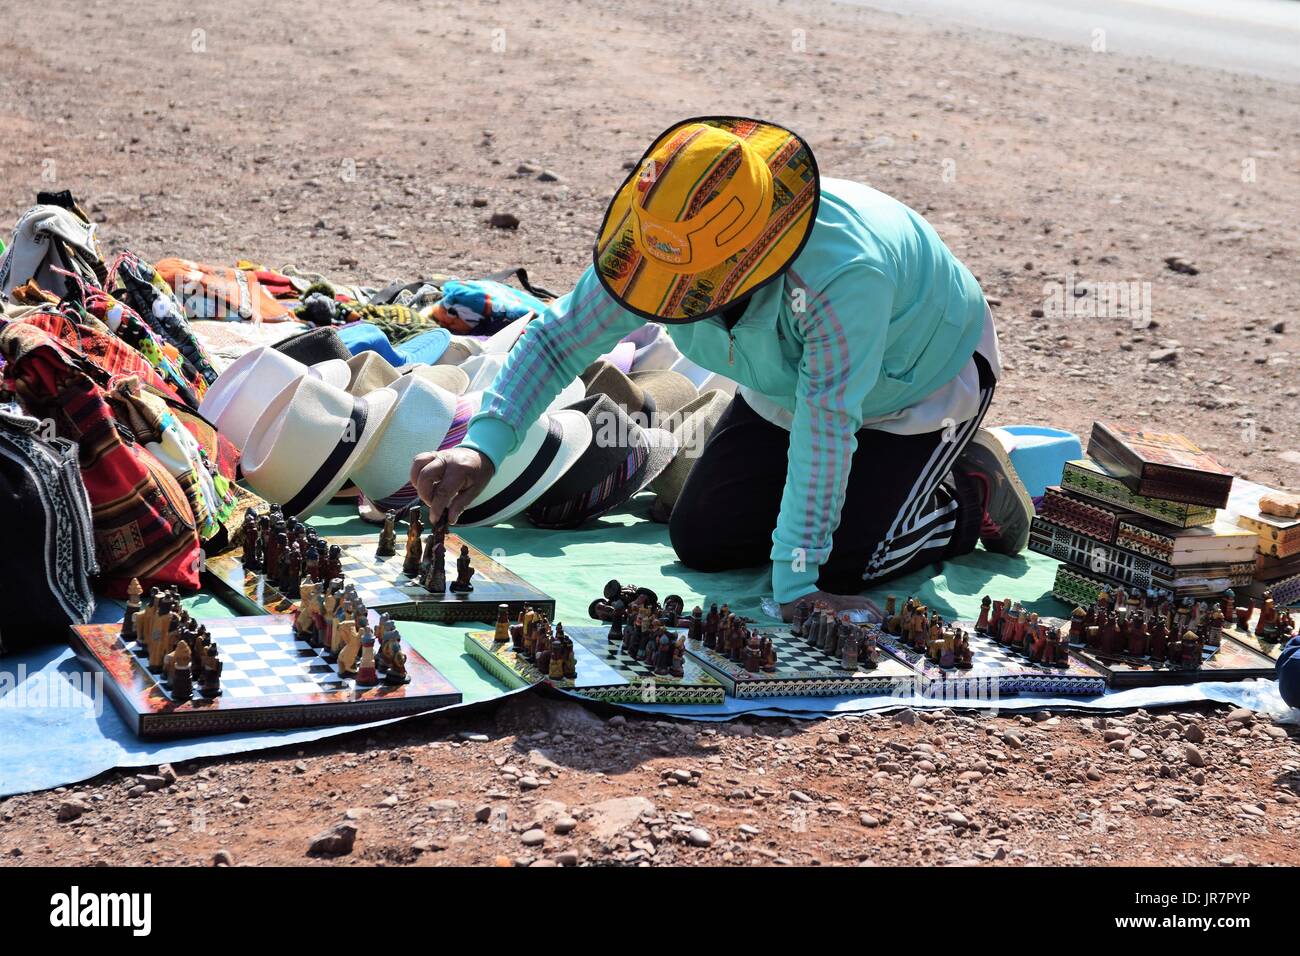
269	680
996	671
602	675
383	586
1229	662
802	671
268	659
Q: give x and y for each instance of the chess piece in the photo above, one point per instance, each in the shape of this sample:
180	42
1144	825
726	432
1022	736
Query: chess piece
210	680
348	638
367	673
1266	623
677	663
849	652
178	672
411	565
1227	604
304	621
556	667
695	627
249	541
133	592
387	546
963	656
464	571
396	675
502	633
982	623
570	659
618	617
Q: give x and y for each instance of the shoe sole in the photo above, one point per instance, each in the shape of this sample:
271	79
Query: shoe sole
984	441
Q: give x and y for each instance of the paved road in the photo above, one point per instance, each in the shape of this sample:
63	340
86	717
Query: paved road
1247	36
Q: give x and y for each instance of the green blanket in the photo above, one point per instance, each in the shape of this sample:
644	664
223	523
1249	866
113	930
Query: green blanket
573	566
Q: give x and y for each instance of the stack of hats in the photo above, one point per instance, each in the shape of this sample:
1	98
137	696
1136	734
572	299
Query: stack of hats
342	405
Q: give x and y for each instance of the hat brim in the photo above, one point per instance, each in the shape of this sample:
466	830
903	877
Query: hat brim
661	446
379	405
575	436
660	294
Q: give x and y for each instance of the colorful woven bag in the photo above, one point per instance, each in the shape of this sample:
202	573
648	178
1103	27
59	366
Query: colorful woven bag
143	524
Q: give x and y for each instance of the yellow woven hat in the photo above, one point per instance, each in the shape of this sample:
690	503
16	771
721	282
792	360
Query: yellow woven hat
717	207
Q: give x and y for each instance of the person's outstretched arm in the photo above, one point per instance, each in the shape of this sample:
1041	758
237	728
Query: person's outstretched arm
554	350
841	362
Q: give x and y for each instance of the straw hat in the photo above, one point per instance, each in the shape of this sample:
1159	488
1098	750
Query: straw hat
418	422
621	460
691	426
450	377
483	370
549	448
309	439
716	208
241	393
602	378
670	390
368	371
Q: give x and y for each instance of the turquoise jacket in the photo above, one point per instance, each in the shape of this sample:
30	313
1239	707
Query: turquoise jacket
873	315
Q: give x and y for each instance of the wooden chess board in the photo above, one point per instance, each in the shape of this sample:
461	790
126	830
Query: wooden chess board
602	675
383	586
1231	660
269	680
802	671
996	671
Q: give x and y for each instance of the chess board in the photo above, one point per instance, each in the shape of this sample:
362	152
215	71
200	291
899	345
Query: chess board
614	678
995	671
383	586
1247	637
802	671
1232	660
269	680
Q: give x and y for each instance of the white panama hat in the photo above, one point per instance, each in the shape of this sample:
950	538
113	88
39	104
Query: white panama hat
241	393
309	439
549	448
418	422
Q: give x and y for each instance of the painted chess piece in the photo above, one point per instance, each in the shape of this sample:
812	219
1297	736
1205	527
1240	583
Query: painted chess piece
411	565
133	592
367	672
464	571
348	638
695	627
502	633
180	677
618	617
210	679
982	623
387	546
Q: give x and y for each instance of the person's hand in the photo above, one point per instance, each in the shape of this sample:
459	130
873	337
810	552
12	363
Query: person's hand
450	480
836	602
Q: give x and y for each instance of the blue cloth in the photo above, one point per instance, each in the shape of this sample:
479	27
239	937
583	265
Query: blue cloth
1288	672
486	306
423	349
1039	454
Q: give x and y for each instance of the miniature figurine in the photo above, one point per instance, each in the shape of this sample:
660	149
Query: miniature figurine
133	592
414	529
502	633
367	673
464	571
387	546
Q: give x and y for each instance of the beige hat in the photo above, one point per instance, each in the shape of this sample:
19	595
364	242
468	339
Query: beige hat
417	423
460	348
691	426
450	377
311	436
369	371
241	393
670	390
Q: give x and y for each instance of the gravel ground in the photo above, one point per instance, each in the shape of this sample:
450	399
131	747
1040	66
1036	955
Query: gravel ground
374	141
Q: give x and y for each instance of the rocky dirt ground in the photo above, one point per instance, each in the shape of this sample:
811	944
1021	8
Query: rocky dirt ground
374	140
545	783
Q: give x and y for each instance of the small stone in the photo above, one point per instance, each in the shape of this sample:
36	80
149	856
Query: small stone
223	858
1193	734
504	220
533	837
529	783
151	781
567	858
868	821
71	809
1162	356
168	774
1093	774
1242	715
483	813
1137	753
336	841
1181	265
618	720
680	776
1012	739
547	176
472	737
1116	733
906	717
389	801
798	796
699	837
956	819
1193	755
565	825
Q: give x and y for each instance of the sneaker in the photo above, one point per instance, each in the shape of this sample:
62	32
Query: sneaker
1008	508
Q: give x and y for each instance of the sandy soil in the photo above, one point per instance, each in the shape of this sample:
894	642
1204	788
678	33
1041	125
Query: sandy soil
373	141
